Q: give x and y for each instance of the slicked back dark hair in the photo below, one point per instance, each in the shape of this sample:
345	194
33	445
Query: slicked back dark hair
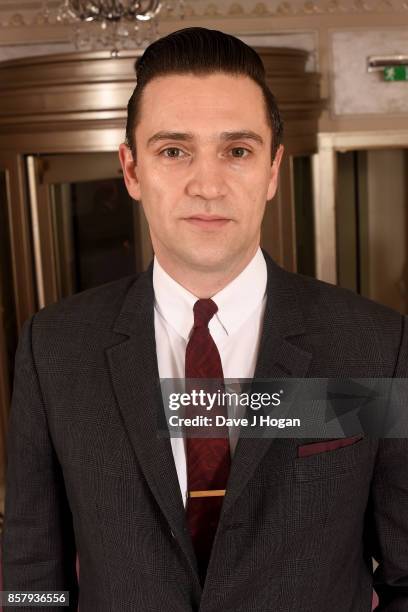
200	51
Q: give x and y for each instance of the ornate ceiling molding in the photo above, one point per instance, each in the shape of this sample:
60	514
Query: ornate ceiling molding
30	14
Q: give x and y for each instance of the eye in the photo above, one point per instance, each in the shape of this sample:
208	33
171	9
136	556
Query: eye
173	152
241	152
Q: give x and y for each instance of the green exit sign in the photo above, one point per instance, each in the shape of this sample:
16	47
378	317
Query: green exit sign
396	73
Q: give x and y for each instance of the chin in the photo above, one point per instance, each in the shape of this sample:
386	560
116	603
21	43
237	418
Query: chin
203	259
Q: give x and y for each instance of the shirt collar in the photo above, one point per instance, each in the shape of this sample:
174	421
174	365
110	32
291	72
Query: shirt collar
236	302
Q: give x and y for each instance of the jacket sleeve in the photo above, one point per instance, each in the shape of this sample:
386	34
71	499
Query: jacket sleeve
388	510
38	544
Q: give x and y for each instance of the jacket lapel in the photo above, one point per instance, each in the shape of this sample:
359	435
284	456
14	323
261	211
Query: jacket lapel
278	357
135	377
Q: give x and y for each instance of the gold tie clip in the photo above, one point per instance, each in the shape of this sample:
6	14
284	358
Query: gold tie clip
210	493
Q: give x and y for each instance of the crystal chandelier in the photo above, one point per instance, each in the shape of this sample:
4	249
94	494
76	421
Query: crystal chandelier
115	24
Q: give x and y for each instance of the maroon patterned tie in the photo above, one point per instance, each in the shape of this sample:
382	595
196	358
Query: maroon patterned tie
208	459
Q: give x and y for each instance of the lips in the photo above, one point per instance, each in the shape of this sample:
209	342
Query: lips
208	218
207	221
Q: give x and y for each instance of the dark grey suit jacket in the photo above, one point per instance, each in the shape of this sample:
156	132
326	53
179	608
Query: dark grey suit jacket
87	473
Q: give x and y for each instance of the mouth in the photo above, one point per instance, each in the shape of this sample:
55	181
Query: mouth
207	221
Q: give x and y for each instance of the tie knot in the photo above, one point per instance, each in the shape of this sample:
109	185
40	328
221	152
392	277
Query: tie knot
203	312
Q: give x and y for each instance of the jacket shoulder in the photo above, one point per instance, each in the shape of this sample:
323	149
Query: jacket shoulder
348	323
317	298
96	307
339	303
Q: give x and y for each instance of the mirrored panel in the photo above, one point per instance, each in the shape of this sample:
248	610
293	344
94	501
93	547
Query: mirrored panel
94	227
304	214
87	230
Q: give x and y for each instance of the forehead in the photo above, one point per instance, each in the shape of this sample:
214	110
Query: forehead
202	102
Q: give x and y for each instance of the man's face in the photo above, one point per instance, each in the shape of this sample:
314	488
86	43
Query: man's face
204	170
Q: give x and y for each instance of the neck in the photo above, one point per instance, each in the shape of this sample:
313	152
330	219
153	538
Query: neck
201	282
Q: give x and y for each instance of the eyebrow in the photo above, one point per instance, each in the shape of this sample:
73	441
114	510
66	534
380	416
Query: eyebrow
188	136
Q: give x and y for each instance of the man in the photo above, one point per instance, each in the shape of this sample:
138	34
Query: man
284	524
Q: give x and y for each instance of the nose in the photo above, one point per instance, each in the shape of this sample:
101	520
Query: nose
207	178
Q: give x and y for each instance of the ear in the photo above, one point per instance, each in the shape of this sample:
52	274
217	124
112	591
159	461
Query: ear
273	182
129	168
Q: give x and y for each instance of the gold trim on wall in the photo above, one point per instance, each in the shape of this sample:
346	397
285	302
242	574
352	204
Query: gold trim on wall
92	88
35	227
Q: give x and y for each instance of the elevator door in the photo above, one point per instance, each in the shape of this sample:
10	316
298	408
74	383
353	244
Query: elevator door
372	224
86	229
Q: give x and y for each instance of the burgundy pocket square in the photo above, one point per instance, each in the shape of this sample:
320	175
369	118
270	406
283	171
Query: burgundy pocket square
315	448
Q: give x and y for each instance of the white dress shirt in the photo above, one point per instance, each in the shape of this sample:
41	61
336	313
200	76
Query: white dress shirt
235	328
